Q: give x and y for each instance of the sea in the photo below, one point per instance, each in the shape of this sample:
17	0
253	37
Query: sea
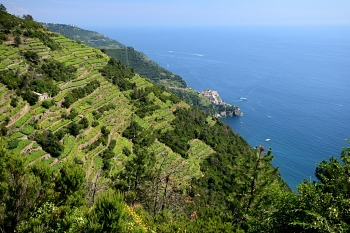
291	82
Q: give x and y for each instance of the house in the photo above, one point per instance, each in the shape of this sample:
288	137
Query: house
43	96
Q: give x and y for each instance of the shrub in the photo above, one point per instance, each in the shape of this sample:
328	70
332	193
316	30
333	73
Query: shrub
28	129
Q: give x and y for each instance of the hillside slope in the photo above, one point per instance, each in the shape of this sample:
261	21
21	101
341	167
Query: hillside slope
141	65
90	38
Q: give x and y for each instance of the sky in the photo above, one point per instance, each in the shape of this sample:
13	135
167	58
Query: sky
152	13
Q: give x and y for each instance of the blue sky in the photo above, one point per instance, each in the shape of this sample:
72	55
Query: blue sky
121	13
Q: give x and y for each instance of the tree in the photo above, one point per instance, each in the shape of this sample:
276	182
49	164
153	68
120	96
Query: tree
107	214
27	17
321	206
22	189
3	8
252	179
18	41
74	128
135	179
70	184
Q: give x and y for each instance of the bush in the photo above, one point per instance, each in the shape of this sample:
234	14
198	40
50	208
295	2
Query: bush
31	56
28	129
49	143
18	41
14	102
95	123
12	144
3	131
47	103
73	128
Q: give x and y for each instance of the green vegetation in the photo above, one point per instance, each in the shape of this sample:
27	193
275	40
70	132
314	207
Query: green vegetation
140	64
111	151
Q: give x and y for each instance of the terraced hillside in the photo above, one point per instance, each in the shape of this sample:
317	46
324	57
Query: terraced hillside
66	105
142	65
80	127
26	121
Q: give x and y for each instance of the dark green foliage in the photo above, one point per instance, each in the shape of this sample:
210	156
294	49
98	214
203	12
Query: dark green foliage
118	74
139	136
59	134
12	144
18	41
49	142
47	103
30	97
107	214
126	151
57	71
73	128
72	114
84	123
104	131
61	194
18	31
31	56
321	206
14	101
136	177
3	130
105	108
3	8
3	37
94	123
10	79
27	83
20	190
108	154
132	131
144	105
36	198
71	183
80	92
44	86
166	221
28	17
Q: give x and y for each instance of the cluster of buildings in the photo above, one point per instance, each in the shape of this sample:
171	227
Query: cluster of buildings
224	108
213	96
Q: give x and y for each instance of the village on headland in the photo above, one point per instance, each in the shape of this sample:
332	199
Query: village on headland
225	109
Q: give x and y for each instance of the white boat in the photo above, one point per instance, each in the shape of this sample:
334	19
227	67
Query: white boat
243	98
267	139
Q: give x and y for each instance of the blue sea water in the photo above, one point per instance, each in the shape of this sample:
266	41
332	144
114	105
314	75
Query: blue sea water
296	81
